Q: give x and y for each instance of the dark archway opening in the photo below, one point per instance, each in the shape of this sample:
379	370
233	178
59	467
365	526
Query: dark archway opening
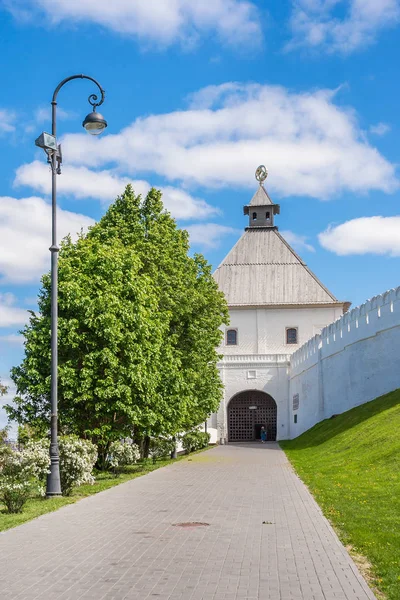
247	413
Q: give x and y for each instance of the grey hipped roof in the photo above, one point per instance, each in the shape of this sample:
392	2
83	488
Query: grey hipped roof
262	269
261	197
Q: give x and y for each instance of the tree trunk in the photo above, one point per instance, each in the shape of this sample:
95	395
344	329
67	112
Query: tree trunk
174	451
146	446
101	463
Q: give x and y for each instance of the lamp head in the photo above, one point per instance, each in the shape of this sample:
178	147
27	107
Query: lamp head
94	123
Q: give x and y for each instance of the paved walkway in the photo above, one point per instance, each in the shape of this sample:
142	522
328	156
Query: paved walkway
122	543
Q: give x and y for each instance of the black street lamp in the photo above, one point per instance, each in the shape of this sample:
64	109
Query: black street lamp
94	124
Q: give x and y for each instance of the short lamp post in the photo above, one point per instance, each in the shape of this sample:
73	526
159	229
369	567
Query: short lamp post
94	124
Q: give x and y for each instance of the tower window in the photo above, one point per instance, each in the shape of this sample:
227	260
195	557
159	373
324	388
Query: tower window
291	335
267	215
254	216
231	337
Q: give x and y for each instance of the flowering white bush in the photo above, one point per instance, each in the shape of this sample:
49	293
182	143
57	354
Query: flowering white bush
77	459
37	455
21	472
121	454
15	493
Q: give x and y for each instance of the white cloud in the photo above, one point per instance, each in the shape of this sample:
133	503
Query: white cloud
366	235
310	145
380	129
183	206
105	186
25	237
14	339
299	242
156	22
209	235
314	23
7	120
79	182
11	315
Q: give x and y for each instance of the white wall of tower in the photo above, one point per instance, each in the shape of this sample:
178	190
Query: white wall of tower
260	360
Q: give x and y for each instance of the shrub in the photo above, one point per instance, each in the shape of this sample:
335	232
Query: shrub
14	494
23	472
121	454
21	475
37	456
77	459
161	448
195	440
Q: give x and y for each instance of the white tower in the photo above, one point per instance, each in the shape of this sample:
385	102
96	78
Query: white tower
276	304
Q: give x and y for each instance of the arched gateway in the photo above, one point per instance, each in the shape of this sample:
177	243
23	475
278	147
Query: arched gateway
247	413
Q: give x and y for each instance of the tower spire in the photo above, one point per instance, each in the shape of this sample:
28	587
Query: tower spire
261	209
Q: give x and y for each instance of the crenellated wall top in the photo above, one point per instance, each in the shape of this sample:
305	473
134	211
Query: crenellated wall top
377	313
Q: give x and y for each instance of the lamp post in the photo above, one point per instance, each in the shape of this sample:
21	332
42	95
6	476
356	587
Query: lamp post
94	124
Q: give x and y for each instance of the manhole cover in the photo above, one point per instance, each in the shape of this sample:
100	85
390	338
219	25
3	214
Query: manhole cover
192	524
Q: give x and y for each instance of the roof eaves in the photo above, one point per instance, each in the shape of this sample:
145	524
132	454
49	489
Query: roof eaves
323	303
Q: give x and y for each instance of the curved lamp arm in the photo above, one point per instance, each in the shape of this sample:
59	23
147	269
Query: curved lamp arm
93	98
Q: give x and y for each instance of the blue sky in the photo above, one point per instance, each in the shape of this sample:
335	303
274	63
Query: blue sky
198	94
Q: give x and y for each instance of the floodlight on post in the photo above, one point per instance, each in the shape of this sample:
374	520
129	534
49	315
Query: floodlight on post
46	141
94	123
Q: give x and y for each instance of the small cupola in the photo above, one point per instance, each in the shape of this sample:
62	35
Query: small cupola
261	209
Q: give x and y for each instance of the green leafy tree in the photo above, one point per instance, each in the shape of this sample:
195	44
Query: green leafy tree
138	329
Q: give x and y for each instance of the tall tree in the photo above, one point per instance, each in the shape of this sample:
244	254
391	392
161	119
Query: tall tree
138	329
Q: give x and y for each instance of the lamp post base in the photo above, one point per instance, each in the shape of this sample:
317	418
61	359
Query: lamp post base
53	487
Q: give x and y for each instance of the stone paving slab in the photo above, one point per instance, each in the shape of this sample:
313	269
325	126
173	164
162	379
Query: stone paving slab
122	543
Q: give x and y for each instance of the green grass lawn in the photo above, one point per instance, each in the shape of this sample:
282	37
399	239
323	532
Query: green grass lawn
351	465
104	480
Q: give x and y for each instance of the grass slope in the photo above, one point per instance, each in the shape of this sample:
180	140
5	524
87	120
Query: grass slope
351	465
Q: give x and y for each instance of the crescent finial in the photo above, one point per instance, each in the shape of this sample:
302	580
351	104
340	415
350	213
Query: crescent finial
261	174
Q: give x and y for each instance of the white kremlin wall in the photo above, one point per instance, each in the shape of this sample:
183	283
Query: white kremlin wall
352	361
